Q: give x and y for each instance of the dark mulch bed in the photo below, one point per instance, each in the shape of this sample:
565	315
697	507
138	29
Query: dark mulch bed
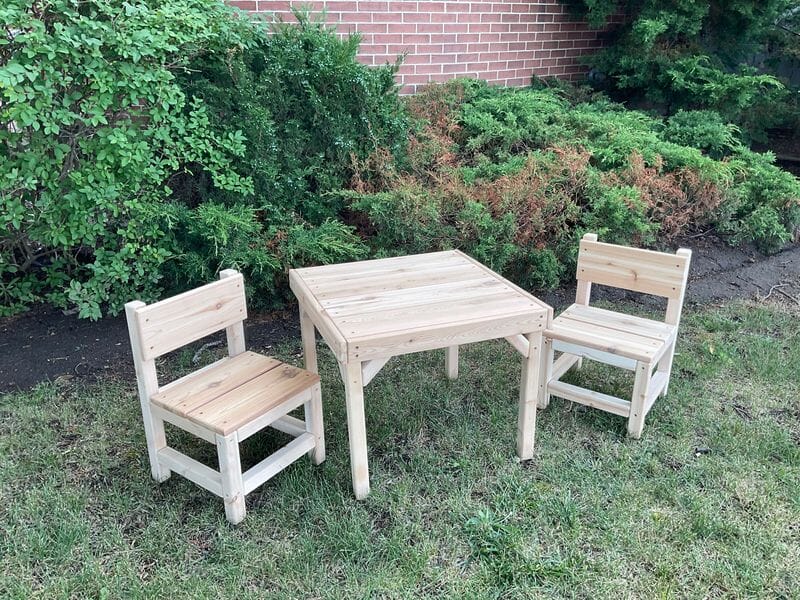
45	344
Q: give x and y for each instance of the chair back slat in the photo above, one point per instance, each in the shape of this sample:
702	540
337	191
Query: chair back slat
633	269
185	318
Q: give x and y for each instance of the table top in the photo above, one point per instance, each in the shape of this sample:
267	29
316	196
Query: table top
385	307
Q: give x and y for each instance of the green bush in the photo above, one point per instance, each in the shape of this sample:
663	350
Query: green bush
309	111
702	129
514	177
182	138
693	54
94	126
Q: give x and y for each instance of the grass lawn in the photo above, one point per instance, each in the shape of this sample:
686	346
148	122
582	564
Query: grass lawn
706	504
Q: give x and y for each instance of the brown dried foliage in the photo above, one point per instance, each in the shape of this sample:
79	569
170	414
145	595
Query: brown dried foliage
680	200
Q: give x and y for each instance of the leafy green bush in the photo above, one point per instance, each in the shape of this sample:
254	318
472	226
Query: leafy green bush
309	111
94	125
693	54
307	107
152	143
702	129
516	176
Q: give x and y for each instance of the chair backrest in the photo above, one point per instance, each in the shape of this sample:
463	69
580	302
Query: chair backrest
161	327
645	271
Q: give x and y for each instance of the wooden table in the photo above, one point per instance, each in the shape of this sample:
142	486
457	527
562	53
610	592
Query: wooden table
370	311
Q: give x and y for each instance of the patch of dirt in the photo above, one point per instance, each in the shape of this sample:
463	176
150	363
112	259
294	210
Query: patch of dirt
45	344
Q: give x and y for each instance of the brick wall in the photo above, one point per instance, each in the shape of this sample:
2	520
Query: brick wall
502	42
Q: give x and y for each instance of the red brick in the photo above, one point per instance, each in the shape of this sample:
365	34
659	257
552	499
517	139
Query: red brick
427	69
244	4
501	42
431	7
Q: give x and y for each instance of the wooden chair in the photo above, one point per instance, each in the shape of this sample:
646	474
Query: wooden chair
633	343
225	402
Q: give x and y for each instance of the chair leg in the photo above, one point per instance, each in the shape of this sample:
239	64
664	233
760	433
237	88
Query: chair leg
315	424
313	408
665	366
451	362
547	372
639	399
230	468
156	439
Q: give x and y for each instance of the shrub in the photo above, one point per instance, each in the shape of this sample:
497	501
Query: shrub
702	129
308	109
515	176
693	54
94	127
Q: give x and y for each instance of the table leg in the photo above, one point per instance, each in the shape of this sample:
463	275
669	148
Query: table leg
356	428
451	362
312	408
529	392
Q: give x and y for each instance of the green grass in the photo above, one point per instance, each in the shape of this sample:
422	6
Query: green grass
452	512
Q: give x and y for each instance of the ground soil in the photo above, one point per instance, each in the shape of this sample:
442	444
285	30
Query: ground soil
45	344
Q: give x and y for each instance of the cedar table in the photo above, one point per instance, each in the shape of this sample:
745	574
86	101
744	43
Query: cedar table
370	311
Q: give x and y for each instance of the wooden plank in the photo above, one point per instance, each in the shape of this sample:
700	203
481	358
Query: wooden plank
276	462
232	410
583	293
449	334
573	393
639	400
194	471
563	364
451	362
185	424
507	282
273	415
675	305
234	333
392	282
308	303
362	271
176	321
435	314
343	306
664	366
370	368
613	342
530	389
634	269
657	384
315	424
620	322
147	384
356	429
546	372
520	343
615	360
665	261
230	470
189	393
288	424
313	408
376	264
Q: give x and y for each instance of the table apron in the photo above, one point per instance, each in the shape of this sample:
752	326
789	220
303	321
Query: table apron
398	344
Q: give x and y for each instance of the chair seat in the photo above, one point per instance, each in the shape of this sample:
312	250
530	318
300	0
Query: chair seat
632	337
232	392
